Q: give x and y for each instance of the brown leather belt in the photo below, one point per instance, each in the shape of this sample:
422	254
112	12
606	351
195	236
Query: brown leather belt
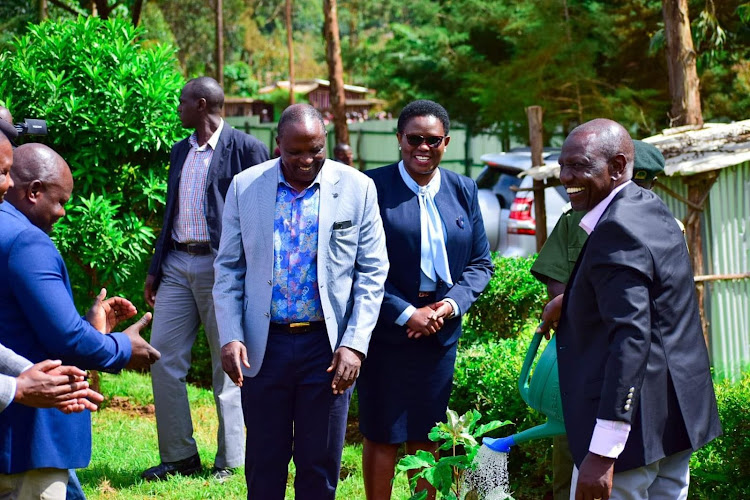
192	248
301	327
423	295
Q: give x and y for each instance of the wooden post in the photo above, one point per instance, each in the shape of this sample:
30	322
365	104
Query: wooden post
698	189
534	114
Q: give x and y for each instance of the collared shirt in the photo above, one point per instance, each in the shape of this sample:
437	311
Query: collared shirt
426	284
190	224
609	436
295	296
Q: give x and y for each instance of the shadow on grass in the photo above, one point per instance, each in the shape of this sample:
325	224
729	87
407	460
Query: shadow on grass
120	479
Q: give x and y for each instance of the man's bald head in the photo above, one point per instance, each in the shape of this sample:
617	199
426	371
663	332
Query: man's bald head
596	157
207	88
6	161
609	139
5	115
43	184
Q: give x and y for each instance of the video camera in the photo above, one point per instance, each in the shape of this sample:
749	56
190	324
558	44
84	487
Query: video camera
31	126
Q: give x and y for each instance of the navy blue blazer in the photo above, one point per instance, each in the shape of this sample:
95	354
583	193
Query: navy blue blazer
466	243
39	321
235	152
629	345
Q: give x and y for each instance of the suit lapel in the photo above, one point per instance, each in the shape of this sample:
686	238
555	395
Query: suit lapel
221	153
449	214
264	207
329	201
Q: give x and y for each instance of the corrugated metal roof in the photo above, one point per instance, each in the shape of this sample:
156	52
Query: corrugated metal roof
715	146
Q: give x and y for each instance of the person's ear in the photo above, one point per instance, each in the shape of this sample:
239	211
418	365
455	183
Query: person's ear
447	140
34	191
618	165
202	104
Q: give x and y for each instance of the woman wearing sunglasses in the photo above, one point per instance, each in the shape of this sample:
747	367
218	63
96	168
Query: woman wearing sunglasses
439	263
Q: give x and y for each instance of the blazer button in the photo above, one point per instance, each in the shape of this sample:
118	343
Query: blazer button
627	407
628	401
631	389
269	282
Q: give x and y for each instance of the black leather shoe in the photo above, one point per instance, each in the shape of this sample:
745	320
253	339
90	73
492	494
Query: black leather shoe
186	467
221	474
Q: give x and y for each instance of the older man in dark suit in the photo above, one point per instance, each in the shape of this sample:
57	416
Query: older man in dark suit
634	370
201	168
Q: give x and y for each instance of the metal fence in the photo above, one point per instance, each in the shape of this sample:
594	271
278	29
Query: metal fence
726	248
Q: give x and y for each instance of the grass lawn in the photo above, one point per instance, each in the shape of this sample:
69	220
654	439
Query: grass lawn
124	444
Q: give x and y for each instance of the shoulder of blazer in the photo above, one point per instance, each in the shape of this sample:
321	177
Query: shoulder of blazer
249	175
383	175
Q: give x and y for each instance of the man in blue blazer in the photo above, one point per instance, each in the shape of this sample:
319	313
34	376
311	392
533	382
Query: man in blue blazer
635	378
180	279
39	321
299	282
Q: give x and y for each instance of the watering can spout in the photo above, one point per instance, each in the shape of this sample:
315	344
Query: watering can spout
500	445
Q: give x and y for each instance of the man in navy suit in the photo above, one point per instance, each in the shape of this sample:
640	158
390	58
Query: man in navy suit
39	321
201	168
634	370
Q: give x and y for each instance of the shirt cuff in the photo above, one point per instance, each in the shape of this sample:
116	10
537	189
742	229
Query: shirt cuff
404	316
456	310
609	438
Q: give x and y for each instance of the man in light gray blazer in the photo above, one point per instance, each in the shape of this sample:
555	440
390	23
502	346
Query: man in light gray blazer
299	280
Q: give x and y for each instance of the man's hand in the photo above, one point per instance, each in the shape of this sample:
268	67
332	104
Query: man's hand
595	478
551	316
346	363
50	385
105	314
233	355
142	355
425	321
443	308
148	290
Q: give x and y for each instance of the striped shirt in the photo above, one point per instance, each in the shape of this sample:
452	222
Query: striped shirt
190	224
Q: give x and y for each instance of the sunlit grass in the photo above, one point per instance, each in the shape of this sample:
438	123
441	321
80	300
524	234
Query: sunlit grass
124	444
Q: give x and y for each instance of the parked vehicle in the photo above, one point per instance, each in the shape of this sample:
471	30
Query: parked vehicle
496	183
521	225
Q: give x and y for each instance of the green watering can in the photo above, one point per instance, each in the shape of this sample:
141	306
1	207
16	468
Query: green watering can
541	392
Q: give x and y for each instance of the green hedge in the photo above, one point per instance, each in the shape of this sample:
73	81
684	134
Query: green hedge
512	297
721	469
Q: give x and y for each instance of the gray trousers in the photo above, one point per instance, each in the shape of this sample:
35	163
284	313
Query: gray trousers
183	302
665	479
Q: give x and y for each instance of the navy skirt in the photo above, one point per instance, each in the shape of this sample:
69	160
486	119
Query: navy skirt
404	388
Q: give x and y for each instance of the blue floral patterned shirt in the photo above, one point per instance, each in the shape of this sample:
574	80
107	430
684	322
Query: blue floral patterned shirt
295	295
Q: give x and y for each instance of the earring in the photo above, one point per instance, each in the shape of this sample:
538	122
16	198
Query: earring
399	148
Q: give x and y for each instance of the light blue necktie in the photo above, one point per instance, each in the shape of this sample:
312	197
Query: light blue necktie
434	257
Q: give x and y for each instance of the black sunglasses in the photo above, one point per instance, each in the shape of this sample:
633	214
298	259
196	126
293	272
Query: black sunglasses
432	141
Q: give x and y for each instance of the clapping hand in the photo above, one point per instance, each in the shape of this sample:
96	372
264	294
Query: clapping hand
105	314
49	384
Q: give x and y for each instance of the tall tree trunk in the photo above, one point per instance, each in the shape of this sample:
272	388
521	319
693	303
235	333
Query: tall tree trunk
335	71
220	42
135	12
290	49
43	14
684	86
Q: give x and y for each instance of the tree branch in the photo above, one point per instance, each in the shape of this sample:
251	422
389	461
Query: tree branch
67	7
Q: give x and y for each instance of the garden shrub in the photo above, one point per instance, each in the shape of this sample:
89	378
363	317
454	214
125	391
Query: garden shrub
110	106
721	469
486	379
511	298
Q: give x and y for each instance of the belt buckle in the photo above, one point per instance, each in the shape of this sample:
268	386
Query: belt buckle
301	324
422	295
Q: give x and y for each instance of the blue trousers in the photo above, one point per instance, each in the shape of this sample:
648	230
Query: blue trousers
291	413
74	490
